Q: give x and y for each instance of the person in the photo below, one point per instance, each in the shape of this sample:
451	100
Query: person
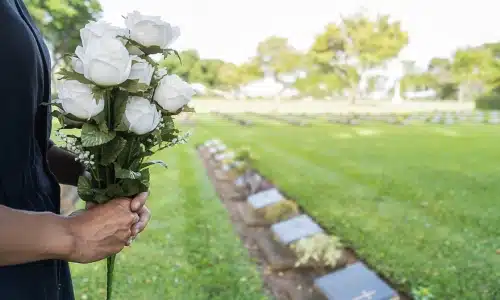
36	243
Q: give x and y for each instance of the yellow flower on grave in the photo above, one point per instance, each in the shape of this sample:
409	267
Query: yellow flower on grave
425	292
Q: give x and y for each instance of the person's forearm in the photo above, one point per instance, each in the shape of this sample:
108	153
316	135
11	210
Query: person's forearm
30	236
62	163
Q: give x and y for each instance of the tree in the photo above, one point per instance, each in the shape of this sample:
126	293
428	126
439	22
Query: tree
278	58
229	76
319	85
60	20
356	45
441	78
206	71
189	58
469	68
250	71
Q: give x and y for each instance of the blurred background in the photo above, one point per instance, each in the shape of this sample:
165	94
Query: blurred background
379	117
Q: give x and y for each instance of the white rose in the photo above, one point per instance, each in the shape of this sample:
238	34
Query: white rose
105	61
77	99
173	93
151	30
77	63
141	70
160	73
100	29
141	116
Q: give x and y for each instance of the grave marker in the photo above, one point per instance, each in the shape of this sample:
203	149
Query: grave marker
254	181
295	229
240	181
355	282
223	156
265	198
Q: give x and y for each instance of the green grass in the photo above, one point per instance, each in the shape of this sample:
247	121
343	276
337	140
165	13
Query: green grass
189	251
420	203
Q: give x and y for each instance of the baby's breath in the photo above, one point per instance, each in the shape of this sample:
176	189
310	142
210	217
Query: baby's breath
82	155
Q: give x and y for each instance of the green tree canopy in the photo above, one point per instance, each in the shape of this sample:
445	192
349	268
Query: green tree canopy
189	58
469	68
277	57
356	45
60	21
206	71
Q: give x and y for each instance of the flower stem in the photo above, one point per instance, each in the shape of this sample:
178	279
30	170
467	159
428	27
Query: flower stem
109	180
110	266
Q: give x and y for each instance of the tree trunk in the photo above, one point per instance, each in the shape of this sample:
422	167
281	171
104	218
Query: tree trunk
353	94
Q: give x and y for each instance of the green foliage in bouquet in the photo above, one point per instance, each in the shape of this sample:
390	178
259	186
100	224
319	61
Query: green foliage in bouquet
119	165
122	106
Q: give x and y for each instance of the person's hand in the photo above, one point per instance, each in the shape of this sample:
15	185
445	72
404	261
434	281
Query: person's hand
101	230
138	205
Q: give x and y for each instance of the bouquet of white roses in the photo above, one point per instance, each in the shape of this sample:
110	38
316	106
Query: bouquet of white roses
122	104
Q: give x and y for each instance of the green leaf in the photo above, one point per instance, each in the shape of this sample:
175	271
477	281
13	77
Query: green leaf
101	121
152	163
168	132
126	174
147	50
145	177
152	50
188	109
68	123
85	190
56	114
72	75
101	197
126	188
167	52
130	152
119	105
112	149
134	86
99	92
56	104
92	136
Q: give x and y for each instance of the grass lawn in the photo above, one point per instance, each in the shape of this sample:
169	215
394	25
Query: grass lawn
419	202
189	251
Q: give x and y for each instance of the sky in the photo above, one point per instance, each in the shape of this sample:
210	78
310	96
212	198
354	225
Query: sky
231	29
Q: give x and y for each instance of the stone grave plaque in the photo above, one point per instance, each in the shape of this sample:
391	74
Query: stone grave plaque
254	181
355	282
212	150
265	198
295	229
226	155
240	181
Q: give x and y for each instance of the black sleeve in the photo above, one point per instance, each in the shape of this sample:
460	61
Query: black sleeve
18	91
62	163
50	145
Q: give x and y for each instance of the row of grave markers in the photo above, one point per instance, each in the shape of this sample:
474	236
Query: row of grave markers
234	119
353	282
446	118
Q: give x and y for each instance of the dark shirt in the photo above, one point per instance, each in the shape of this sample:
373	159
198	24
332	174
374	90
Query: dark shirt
26	182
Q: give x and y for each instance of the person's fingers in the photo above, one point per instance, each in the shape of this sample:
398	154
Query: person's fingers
144	217
138	202
133	219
